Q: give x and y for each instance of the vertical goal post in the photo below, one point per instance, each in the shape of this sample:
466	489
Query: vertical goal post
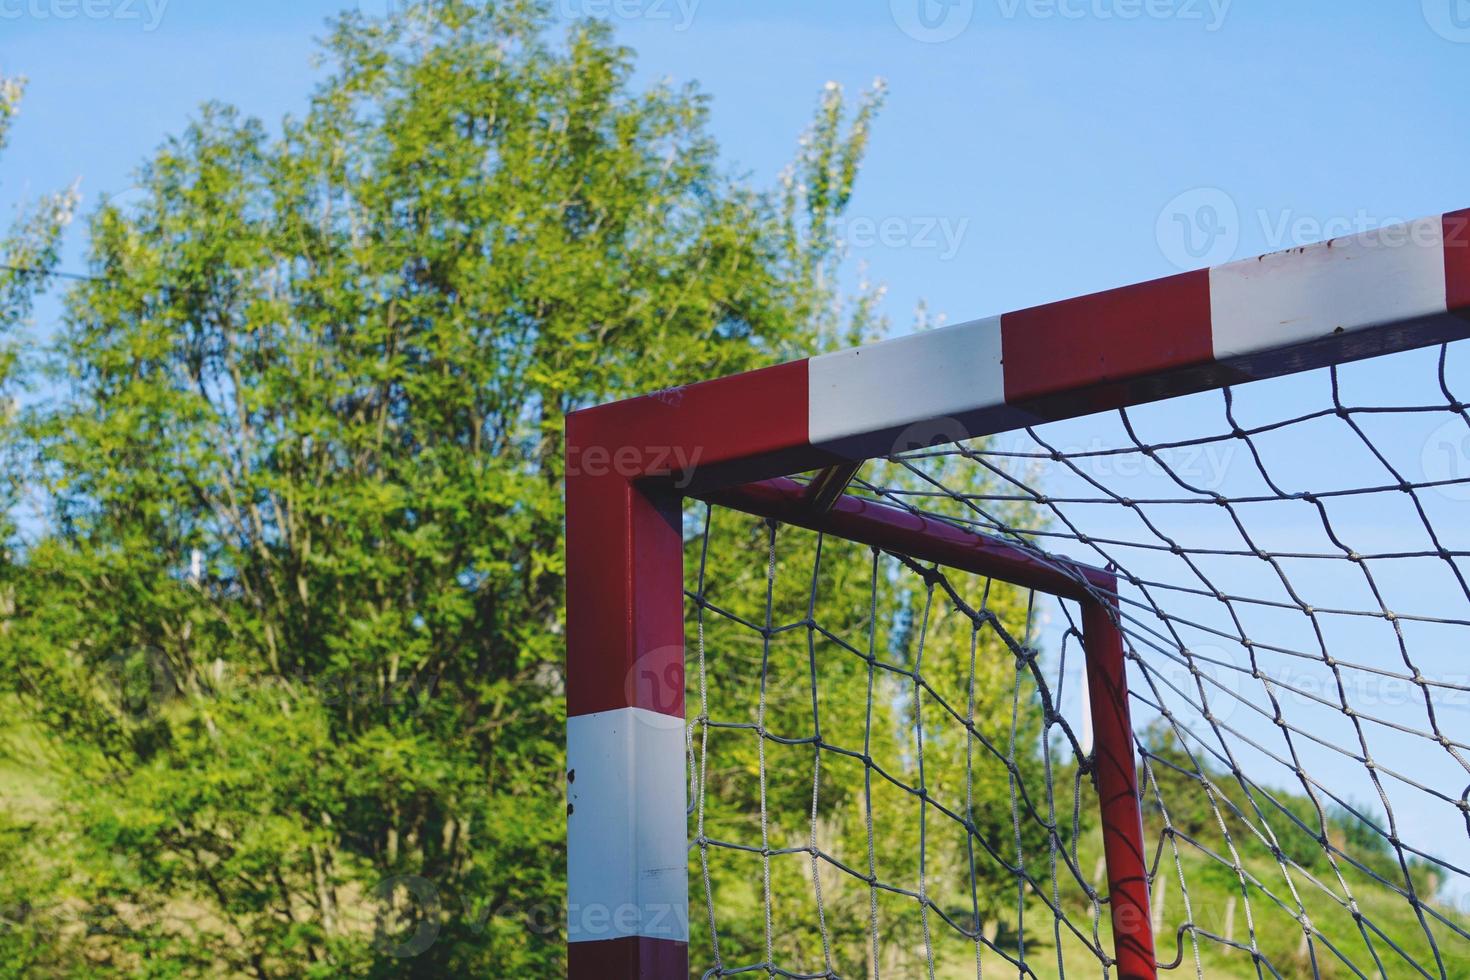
734	441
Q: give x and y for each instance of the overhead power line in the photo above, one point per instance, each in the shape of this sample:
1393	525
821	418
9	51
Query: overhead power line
27	270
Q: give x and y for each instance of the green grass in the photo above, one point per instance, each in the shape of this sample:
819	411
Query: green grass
1276	930
1277	933
27	788
28	792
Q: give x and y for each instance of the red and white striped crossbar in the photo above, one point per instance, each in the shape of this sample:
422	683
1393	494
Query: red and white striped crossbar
630	464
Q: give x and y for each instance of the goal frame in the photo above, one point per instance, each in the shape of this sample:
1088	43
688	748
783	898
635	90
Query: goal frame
734	441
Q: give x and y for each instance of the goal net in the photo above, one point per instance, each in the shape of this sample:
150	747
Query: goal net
893	762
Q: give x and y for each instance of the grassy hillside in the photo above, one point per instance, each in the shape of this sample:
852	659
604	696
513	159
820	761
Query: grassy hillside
28	791
1277	935
1352	894
26	787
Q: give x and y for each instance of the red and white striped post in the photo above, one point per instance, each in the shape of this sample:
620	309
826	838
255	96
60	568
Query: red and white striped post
627	840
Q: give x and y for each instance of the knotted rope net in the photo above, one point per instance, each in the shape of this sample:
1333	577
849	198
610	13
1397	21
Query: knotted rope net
891	763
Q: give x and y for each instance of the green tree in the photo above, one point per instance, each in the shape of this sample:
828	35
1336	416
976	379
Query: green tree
29	884
292	624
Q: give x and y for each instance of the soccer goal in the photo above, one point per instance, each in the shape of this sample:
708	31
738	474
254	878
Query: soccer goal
1126	636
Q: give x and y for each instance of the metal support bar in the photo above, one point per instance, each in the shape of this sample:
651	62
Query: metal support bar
1116	772
830	484
1115	769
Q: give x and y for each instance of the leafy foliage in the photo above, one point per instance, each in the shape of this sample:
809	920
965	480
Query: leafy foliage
283	644
290	623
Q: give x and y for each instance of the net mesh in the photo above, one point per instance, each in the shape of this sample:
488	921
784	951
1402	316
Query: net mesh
891	763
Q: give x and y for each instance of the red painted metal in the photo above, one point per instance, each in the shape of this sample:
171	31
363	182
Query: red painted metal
625	648
625	464
1457	261
1116	772
625	630
625	615
927	539
636	958
1091	350
744	427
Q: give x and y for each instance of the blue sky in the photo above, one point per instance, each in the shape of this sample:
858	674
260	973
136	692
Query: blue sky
1046	148
1028	158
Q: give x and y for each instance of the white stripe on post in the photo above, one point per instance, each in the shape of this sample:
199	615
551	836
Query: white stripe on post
1390	276
627	843
931	376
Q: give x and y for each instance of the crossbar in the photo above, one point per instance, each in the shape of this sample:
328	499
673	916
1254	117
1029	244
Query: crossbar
630	464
